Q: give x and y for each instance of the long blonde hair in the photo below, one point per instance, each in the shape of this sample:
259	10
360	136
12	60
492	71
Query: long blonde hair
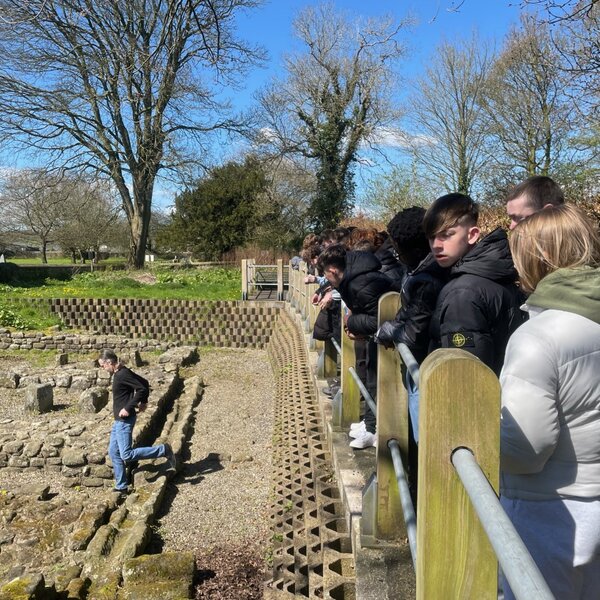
553	238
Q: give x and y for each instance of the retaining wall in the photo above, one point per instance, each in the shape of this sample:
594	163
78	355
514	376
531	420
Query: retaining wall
215	323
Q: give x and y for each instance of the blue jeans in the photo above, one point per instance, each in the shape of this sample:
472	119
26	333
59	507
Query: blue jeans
121	452
413	405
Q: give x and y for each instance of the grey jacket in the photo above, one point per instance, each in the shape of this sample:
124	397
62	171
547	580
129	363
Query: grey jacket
550	428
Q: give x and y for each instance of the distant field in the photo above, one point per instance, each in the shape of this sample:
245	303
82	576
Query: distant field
60	261
185	284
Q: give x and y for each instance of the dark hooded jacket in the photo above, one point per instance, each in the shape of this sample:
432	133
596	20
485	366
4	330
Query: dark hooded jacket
419	294
478	309
390	265
361	287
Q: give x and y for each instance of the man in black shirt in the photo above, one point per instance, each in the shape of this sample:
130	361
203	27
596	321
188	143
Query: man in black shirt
130	394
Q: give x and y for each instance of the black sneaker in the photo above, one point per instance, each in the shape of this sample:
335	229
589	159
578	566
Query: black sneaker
170	456
121	492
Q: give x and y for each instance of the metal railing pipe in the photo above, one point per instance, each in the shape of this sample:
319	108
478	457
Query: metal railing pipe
336	346
520	570
409	360
410	517
363	390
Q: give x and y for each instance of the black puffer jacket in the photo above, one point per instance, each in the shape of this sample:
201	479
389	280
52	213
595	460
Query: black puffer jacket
361	287
390	265
419	295
478	309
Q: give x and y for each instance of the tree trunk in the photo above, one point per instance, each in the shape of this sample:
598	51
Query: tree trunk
139	227
44	257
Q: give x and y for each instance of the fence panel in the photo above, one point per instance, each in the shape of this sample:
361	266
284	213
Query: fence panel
459	407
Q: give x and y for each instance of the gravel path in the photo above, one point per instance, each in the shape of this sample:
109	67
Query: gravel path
218	504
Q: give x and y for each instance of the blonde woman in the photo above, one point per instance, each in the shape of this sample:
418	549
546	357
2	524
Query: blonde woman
550	429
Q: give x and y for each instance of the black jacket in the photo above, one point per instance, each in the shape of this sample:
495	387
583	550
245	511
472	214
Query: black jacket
390	265
419	294
478	309
361	287
129	389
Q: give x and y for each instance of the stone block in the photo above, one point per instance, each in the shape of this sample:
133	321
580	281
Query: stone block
48	451
29	586
73	458
63	380
101	471
39	491
168	566
32	448
82	382
13	447
28	380
93	400
57	441
19	462
9	380
39	398
37	463
62	359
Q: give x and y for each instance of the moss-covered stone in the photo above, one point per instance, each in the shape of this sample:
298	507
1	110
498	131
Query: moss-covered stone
27	587
169	566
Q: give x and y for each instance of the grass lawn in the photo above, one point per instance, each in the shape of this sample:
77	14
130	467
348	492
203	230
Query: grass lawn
186	284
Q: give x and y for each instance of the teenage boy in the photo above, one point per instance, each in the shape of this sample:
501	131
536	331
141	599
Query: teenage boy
130	394
478	309
419	293
531	196
357	277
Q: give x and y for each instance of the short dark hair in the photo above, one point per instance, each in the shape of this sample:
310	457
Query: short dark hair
540	190
406	230
109	355
333	256
448	211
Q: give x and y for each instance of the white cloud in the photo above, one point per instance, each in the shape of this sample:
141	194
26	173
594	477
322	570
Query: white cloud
396	138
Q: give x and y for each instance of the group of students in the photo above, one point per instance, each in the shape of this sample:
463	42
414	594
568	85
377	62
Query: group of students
528	306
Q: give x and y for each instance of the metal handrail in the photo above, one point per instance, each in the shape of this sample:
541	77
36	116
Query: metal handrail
411	363
363	390
336	345
410	517
518	567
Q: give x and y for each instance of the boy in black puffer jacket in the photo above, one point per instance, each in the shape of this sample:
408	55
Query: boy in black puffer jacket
357	277
478	309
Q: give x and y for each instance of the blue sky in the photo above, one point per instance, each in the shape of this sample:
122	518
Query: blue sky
271	27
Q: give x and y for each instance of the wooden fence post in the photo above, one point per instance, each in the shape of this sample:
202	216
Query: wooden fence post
459	407
280	279
392	423
244	279
350	405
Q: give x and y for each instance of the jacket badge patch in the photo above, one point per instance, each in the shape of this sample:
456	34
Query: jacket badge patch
461	339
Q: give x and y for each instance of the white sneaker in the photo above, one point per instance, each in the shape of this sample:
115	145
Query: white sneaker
366	440
357	431
359	425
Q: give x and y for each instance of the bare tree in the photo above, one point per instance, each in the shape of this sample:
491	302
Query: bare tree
400	188
32	203
449	141
575	26
336	96
89	218
118	86
531	117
